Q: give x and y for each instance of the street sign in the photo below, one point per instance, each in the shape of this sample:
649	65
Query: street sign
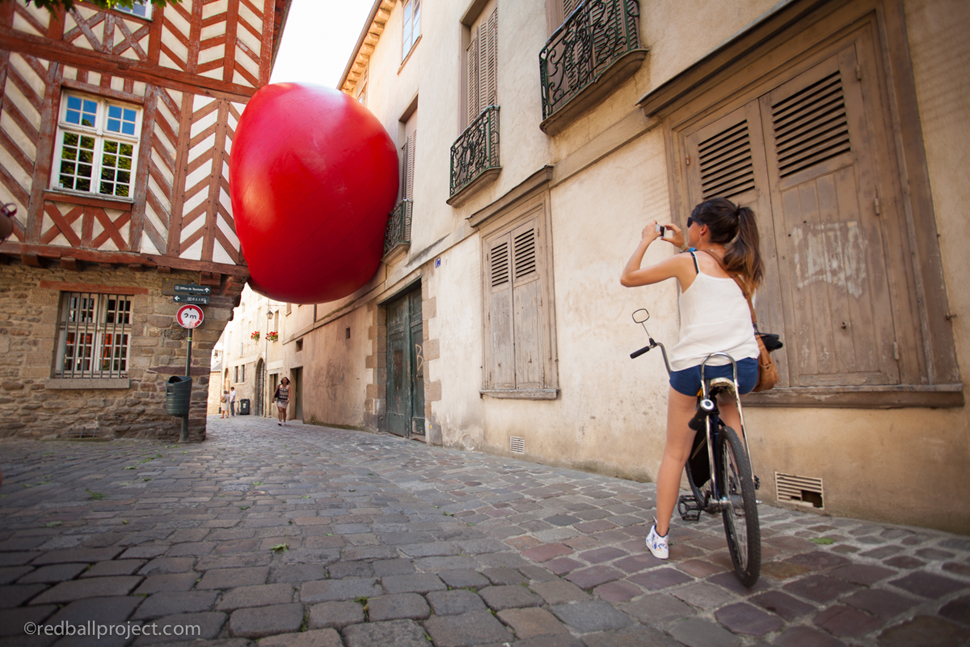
191	298
189	316
192	288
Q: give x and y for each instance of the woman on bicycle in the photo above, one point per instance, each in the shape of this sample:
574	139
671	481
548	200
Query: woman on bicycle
714	317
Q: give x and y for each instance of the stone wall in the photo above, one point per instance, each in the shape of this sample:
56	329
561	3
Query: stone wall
33	404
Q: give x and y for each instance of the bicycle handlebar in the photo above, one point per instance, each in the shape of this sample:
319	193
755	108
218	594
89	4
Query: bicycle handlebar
638	353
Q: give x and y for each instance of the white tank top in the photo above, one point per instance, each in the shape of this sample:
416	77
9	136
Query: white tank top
714	317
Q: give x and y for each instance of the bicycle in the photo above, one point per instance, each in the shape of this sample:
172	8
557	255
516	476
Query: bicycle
732	490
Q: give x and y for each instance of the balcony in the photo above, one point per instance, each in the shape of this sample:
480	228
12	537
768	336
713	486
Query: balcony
590	55
397	235
474	156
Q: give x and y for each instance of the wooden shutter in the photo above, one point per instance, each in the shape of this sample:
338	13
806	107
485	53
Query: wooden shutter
527	303
568	6
407	168
481	59
834	276
500	367
490	71
726	158
471	61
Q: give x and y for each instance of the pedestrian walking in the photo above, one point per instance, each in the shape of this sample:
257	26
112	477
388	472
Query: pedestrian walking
232	400
224	406
282	398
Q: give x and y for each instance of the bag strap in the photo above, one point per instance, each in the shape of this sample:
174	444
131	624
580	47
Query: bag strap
744	289
696	268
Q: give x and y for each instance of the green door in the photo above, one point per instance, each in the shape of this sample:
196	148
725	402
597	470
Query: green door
405	366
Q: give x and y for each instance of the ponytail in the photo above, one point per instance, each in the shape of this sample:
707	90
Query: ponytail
743	254
735	228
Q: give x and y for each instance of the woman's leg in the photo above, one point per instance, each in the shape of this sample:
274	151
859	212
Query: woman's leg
680	409
283	412
729	413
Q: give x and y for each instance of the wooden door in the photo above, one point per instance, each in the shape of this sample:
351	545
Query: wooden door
405	366
259	394
835	284
801	157
296	393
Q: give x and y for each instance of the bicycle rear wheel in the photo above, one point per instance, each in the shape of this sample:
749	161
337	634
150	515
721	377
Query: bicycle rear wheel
741	517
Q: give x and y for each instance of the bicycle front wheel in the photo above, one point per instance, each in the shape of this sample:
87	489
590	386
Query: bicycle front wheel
740	517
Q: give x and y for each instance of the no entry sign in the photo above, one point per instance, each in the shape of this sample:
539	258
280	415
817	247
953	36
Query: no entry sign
189	316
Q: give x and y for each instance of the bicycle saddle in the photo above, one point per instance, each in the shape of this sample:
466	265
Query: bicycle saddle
723	385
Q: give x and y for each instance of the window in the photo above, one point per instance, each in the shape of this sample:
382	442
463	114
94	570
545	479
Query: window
412	25
240	373
481	63
139	8
97	145
94	332
810	146
519	327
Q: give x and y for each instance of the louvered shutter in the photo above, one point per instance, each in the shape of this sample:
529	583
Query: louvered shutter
490	71
726	158
407	171
482	66
828	237
568	6
500	366
527	304
471	59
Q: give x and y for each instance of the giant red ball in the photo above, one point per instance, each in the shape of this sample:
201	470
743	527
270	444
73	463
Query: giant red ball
313	176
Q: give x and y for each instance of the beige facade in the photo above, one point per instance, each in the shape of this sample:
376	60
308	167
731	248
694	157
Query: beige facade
524	346
250	355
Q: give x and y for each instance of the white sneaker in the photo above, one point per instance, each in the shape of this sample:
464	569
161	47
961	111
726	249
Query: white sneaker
657	543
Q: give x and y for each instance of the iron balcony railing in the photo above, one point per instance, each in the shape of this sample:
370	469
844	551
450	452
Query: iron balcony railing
595	35
476	150
398	231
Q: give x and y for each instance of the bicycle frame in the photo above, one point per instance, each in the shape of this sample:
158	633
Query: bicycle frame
717	489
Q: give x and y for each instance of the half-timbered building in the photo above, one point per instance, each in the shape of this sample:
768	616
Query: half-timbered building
115	133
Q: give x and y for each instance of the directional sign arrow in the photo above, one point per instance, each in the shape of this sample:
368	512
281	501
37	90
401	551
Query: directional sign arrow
192	288
191	298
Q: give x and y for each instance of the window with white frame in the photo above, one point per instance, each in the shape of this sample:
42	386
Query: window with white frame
140	8
94	333
97	146
412	25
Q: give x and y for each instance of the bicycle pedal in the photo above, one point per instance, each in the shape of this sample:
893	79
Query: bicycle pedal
688	508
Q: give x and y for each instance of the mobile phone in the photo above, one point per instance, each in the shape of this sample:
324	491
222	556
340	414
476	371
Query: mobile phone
660	229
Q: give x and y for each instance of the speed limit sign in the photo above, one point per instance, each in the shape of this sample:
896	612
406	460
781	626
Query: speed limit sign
189	316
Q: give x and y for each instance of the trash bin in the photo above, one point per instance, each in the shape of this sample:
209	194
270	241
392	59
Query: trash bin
178	392
244	407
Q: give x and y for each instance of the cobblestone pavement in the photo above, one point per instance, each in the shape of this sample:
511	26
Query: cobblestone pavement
317	536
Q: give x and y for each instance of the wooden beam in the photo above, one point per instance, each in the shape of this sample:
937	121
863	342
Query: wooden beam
114	65
72	264
31	260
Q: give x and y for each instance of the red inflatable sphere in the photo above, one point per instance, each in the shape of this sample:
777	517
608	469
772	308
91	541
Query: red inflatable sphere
313	177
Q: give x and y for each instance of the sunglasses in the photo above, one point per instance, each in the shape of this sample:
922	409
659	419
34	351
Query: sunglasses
691	220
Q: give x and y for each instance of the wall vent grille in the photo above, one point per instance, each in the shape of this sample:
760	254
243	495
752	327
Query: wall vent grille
517	445
802	490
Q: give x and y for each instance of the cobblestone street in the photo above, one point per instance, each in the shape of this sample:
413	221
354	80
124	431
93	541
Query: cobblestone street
305	535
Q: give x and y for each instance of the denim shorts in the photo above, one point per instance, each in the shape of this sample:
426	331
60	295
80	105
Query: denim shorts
688	381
